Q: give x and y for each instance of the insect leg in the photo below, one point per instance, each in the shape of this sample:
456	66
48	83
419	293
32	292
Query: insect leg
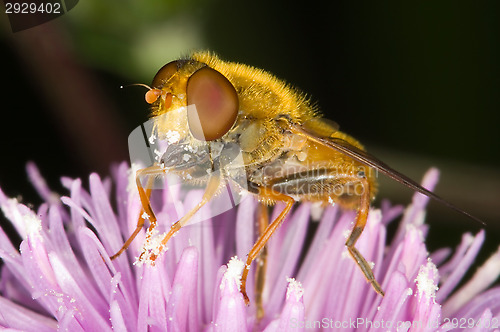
260	273
146	206
361	218
210	191
265	193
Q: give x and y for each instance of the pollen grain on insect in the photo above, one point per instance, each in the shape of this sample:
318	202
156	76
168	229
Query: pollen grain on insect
158	154
152	138
172	136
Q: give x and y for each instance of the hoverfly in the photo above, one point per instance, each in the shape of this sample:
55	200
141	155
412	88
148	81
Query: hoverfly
290	153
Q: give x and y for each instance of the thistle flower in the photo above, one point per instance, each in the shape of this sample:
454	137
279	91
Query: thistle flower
62	277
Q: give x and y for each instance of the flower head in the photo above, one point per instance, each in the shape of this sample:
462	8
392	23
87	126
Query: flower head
62	277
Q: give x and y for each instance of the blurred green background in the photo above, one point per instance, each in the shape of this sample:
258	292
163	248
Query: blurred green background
417	83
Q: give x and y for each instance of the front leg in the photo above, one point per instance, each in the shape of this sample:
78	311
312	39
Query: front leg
144	194
210	191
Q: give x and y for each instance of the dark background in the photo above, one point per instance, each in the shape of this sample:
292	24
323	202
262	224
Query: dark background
417	83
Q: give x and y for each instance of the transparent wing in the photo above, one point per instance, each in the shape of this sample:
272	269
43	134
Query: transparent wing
367	159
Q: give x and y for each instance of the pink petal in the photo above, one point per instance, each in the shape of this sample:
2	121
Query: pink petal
232	310
182	300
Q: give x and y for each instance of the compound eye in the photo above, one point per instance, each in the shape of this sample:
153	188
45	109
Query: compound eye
166	72
216	104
